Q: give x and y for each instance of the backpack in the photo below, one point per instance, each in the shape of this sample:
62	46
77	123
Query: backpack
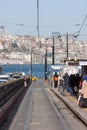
83	102
55	78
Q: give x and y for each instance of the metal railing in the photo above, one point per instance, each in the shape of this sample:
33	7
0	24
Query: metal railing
8	90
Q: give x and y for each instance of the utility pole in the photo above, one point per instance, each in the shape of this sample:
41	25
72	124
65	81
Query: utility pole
53	52
38	18
38	29
67	46
46	64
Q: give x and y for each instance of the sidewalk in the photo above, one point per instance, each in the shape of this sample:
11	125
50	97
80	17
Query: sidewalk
72	103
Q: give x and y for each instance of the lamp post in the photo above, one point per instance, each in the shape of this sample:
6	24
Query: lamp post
31	62
67	50
53	49
53	60
46	64
53	52
67	45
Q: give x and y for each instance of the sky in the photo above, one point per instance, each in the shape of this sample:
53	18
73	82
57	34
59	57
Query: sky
54	16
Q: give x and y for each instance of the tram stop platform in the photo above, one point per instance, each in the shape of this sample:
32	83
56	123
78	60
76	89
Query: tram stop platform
72	103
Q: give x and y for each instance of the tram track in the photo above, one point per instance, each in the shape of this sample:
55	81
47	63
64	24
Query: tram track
57	111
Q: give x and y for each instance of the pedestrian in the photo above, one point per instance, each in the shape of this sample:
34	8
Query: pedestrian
72	84
84	85
66	82
83	98
76	86
55	80
85	76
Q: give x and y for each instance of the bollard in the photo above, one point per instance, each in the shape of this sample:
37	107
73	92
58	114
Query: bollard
25	82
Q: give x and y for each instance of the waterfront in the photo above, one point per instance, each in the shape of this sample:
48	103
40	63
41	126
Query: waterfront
37	69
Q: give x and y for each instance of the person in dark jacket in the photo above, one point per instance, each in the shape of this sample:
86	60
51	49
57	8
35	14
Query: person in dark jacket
66	82
72	84
77	80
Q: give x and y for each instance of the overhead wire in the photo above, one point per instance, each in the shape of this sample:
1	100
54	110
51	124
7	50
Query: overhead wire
76	34
21	24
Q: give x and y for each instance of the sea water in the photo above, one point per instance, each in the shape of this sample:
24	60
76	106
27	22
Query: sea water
38	70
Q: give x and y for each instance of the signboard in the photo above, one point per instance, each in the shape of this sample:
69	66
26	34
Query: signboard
72	63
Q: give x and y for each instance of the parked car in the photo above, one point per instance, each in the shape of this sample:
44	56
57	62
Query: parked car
16	76
4	78
3	81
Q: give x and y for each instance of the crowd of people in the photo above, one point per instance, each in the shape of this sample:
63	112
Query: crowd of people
72	83
75	85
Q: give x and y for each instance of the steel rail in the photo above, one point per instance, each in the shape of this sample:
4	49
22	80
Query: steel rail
73	107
